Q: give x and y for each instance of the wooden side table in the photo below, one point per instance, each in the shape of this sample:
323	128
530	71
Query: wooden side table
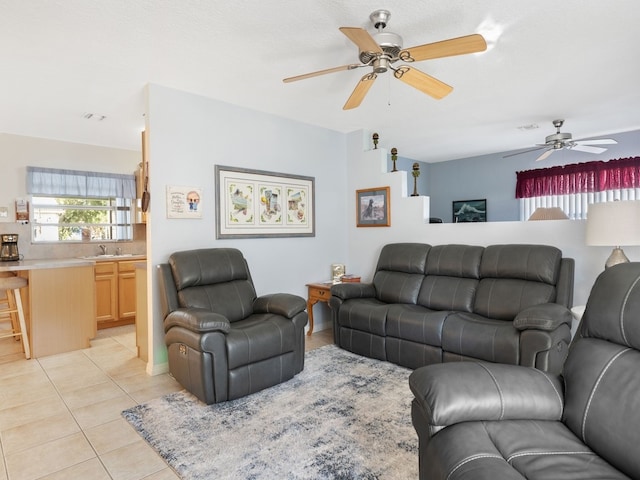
317	292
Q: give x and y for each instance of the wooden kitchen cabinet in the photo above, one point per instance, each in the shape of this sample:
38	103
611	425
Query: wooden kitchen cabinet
115	292
106	279
127	290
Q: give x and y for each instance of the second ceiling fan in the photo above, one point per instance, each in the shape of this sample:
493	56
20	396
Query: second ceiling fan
382	49
560	140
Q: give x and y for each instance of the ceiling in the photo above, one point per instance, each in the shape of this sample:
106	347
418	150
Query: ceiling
577	59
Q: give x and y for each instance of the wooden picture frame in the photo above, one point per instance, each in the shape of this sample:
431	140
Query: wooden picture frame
465	211
257	203
373	207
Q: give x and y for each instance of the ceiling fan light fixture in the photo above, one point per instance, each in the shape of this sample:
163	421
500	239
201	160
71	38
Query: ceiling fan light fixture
380	18
390	43
380	64
558	138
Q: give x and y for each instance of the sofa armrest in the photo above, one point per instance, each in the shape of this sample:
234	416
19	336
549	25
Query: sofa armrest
547	317
353	290
451	393
197	320
285	304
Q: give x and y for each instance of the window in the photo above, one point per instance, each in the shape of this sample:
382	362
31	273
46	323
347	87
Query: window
71	205
573	187
60	219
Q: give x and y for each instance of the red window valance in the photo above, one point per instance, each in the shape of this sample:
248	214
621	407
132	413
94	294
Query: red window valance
579	178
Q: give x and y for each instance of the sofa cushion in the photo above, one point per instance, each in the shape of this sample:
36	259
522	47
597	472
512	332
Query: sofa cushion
537	263
226	290
364	314
602	402
448	293
504	298
397	287
192	267
400	272
474	336
404	257
259	337
455	260
416	323
234	300
451	281
511	449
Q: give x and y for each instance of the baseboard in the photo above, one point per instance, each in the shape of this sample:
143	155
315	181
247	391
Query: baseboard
319	325
158	369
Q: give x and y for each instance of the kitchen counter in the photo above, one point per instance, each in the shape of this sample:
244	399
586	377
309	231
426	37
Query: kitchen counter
37	264
59	303
114	258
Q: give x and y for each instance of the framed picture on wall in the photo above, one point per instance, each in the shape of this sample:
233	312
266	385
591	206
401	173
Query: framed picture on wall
256	203
469	211
184	202
373	207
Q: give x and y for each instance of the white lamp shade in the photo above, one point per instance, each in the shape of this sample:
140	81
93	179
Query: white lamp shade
613	224
552	213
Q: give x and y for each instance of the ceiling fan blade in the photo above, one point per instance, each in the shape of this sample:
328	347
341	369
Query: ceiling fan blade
322	72
546	154
598	141
360	91
362	39
587	149
524	151
445	48
423	82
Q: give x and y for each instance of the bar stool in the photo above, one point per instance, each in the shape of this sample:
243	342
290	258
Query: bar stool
11	286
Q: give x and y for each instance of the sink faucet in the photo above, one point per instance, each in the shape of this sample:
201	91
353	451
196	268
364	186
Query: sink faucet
103	248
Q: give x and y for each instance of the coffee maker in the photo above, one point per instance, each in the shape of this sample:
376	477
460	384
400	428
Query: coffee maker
9	247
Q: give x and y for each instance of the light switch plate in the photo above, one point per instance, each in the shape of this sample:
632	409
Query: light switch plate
4	213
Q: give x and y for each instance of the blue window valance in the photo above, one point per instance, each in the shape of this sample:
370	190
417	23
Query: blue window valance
79	184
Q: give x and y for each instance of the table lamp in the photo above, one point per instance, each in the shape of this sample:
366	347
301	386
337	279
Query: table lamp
614	224
552	213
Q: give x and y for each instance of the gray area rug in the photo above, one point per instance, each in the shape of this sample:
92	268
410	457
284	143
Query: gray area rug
343	417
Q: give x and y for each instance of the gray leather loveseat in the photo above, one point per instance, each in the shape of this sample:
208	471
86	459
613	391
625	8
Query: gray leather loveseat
485	421
432	304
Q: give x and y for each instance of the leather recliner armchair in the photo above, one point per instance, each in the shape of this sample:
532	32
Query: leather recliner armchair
223	341
480	420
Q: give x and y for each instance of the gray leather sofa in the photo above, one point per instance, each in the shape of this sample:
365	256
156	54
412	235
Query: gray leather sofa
485	421
223	341
432	304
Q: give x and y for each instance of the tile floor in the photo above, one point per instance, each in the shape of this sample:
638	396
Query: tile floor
60	415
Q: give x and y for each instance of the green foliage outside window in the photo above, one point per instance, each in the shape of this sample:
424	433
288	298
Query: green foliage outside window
61	219
82	216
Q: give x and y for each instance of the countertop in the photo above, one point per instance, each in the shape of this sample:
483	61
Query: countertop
114	258
44	263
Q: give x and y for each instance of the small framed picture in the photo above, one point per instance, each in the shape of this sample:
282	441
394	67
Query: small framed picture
373	207
337	271
469	211
184	202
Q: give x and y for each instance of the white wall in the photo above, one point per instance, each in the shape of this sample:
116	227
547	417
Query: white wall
367	169
187	136
19	152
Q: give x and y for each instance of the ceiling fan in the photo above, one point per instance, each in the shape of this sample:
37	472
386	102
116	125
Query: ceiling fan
560	140
382	49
